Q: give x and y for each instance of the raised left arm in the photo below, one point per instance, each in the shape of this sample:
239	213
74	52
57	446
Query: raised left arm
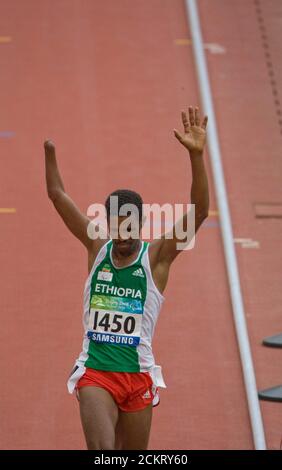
193	140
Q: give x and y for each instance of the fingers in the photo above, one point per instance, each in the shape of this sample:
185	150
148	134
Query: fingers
194	118
185	122
197	116
204	123
178	135
191	116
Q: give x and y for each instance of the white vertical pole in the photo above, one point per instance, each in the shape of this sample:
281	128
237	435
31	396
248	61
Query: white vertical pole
226	229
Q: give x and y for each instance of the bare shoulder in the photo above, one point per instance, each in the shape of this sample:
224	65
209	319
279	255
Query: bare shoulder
94	249
154	252
159	267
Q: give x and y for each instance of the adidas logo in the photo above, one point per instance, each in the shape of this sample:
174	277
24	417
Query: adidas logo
138	272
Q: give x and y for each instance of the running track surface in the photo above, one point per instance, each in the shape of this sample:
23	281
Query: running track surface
107	81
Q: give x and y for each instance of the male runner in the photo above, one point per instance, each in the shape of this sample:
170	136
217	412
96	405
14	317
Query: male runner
115	377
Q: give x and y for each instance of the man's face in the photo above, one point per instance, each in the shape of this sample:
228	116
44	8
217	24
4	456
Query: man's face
125	233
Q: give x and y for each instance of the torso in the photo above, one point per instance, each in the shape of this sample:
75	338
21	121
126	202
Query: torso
121	308
160	271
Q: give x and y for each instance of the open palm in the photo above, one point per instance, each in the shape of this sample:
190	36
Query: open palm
194	136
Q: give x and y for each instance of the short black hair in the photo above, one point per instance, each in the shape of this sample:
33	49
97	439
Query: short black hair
126	196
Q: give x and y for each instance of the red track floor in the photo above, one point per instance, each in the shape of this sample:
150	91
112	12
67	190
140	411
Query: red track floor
107	81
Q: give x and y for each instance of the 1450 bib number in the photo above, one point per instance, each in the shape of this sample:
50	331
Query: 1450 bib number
118	323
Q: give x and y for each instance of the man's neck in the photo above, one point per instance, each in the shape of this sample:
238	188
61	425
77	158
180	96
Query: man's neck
121	259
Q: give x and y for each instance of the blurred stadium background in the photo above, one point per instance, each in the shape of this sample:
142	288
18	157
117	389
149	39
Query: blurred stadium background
106	81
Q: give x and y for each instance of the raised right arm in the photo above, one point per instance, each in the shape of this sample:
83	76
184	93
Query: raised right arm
74	219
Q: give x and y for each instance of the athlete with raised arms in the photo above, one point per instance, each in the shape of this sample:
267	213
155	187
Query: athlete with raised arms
115	377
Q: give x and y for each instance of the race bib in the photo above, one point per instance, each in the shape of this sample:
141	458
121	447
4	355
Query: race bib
114	327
